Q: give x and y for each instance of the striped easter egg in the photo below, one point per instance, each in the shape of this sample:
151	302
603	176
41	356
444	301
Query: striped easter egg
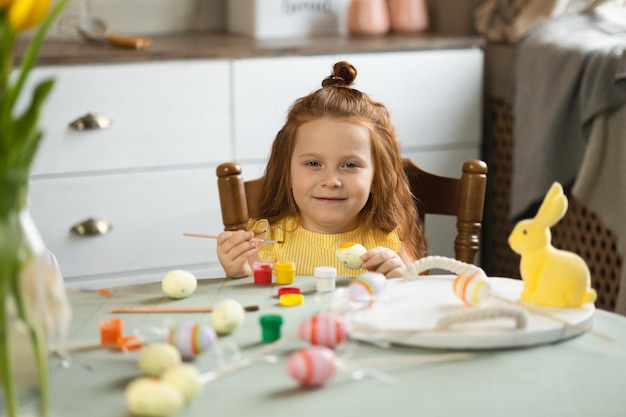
367	287
324	330
472	288
192	338
312	366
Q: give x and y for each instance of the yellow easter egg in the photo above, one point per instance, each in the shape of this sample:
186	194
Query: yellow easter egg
152	397
179	283
185	377
349	254
227	316
156	358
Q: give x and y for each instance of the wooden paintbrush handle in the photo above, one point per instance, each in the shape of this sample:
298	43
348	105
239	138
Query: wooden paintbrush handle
165	309
254	239
200	235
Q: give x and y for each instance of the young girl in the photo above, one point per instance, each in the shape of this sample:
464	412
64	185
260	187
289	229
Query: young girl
334	176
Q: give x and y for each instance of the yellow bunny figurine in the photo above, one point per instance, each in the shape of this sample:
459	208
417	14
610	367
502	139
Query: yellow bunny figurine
552	277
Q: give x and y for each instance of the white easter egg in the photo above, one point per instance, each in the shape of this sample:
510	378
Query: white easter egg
185	377
192	338
179	283
227	316
152	397
367	288
350	255
156	358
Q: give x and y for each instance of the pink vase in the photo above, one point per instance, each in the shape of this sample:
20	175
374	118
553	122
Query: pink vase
368	17
408	15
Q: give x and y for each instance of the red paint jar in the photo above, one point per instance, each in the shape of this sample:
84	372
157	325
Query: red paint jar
262	273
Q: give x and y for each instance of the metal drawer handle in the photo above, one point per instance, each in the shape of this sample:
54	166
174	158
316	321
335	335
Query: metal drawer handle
91	121
92	227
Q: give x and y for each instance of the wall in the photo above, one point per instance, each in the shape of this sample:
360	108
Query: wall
453	17
145	17
151	17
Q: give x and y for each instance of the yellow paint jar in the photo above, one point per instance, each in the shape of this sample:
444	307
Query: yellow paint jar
285	272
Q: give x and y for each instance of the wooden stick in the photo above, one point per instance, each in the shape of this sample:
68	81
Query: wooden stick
200	235
211	376
407	360
208	377
172	309
254	239
86	348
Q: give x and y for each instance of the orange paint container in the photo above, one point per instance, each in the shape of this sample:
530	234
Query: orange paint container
111	330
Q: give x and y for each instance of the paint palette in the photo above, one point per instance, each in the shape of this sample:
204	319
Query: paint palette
412	310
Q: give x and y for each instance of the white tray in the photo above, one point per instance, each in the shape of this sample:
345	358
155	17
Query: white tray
411	308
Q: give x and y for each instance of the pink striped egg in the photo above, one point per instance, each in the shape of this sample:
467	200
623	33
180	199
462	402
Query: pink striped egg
192	339
324	330
472	288
312	366
367	287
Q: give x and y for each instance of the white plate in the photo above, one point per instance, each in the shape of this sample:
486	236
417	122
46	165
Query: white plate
411	309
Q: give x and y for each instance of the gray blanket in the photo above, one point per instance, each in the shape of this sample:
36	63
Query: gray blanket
601	183
566	74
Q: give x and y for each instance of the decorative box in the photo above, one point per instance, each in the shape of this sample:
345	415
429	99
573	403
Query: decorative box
287	18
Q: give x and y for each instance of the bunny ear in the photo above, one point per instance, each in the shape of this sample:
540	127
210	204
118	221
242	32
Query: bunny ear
553	207
554	192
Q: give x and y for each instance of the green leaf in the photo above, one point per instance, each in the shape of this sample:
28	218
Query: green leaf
33	51
7	38
26	130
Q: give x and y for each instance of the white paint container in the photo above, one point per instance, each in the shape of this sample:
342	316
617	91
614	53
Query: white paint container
325	277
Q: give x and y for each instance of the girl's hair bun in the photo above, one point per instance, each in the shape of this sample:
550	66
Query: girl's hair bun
343	75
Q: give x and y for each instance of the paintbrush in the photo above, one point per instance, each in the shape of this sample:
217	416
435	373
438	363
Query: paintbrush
172	309
215	237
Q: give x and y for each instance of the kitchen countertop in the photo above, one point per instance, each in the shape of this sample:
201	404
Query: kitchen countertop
203	45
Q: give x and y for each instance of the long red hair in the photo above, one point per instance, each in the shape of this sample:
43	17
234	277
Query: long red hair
391	203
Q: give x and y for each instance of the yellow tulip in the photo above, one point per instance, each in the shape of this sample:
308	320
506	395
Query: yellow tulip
24	14
5	4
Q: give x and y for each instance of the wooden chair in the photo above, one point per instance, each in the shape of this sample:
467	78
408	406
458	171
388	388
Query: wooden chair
462	197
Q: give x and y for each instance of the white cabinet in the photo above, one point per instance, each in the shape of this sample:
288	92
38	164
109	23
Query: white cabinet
147	211
263	90
164	114
151	174
434	96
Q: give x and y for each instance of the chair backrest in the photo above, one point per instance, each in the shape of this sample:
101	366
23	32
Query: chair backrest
462	197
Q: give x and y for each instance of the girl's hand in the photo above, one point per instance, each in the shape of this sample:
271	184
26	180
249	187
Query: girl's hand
384	261
236	253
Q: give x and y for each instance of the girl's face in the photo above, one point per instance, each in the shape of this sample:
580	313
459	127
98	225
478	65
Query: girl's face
331	174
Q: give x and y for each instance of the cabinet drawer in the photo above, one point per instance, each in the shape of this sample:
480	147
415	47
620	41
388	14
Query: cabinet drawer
164	114
434	96
148	212
264	89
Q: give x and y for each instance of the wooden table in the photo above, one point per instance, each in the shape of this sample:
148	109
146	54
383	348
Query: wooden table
583	376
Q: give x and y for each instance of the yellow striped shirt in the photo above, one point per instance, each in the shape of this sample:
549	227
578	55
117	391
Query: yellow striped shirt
309	250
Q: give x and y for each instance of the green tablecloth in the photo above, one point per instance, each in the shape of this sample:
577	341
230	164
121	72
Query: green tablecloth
581	377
